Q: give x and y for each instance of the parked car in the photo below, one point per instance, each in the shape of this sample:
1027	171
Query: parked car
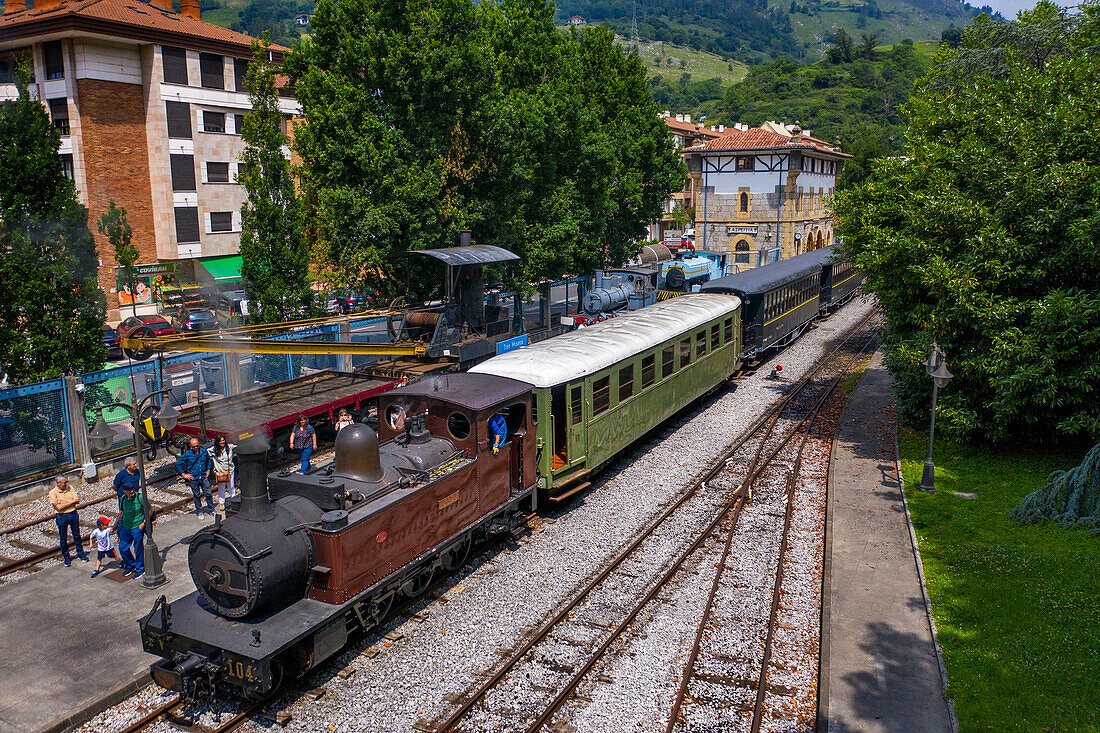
190	319
231	309
112	343
151	325
347	301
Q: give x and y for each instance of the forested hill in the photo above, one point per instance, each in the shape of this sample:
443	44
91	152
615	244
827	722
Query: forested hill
756	31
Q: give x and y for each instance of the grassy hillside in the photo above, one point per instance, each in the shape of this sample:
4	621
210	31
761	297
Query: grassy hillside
671	61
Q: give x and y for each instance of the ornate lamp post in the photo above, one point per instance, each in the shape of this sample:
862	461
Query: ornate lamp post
103	437
936	367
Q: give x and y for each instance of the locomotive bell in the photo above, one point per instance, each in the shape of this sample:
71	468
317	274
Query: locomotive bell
357	454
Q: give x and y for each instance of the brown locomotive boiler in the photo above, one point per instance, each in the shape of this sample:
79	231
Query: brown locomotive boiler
301	562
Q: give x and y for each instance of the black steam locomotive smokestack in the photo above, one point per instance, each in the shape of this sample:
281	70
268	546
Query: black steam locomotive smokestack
252	462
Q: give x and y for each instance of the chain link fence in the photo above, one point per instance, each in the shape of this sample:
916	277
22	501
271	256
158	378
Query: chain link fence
34	429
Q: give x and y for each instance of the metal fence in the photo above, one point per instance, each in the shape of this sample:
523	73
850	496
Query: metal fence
34	429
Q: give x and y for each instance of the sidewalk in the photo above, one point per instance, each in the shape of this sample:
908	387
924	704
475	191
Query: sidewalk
879	668
71	643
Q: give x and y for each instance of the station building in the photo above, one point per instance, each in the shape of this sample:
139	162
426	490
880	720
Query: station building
684	134
150	103
761	194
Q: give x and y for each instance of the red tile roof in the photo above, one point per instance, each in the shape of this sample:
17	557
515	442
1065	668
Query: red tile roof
689	127
757	138
126	19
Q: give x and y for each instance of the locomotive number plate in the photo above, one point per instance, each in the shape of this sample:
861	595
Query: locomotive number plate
446	501
245	672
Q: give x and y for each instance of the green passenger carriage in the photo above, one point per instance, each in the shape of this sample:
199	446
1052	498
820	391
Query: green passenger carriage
598	390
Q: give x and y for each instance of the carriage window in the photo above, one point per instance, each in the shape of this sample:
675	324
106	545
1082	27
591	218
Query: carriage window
601	395
575	405
534	410
685	352
701	343
667	361
458	425
727	336
626	382
715	339
649	370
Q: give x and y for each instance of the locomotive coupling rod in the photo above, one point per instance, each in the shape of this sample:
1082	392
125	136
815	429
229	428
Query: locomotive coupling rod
213	345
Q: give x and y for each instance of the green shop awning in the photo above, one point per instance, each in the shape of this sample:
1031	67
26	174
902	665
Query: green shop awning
225	269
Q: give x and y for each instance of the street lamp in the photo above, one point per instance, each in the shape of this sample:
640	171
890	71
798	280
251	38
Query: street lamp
936	367
102	437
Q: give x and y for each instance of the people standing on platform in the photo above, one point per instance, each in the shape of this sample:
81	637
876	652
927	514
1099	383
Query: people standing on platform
105	546
222	454
303	439
343	419
64	500
131	528
128	476
194	468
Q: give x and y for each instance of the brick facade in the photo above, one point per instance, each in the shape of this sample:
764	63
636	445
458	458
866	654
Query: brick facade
116	154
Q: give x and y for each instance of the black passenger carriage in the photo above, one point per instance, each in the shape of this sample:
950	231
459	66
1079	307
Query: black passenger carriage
778	301
839	280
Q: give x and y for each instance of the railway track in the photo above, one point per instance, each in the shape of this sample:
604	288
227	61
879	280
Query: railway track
545	670
169	713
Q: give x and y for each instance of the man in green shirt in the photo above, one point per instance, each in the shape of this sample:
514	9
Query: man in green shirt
131	526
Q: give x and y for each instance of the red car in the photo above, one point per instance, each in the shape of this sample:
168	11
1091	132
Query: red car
150	325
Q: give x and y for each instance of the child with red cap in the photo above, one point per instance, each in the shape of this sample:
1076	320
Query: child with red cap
105	546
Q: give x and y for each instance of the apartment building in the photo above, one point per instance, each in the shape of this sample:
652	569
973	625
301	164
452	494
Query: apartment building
150	103
762	194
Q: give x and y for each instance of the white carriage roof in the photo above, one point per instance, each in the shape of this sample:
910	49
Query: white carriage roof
588	350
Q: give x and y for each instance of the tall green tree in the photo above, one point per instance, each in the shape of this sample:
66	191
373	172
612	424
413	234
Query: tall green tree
985	236
113	225
51	306
274	259
426	117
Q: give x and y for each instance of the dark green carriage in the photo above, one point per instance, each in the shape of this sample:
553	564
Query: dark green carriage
599	389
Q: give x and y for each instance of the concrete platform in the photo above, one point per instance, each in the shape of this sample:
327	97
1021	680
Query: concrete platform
71	642
880	672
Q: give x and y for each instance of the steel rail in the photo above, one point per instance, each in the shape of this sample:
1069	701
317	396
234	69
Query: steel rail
767	423
805	425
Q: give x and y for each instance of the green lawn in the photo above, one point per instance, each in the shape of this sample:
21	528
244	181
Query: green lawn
1017	606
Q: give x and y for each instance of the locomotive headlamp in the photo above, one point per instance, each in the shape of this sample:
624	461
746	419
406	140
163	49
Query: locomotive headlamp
101	435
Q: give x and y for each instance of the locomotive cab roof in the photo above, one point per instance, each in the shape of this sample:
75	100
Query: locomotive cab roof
473	392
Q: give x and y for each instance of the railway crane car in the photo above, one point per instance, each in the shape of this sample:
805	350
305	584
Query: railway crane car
303	561
599	389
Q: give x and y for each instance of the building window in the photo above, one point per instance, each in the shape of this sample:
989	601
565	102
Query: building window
187	224
213	121
240	71
54	60
59	113
601	395
217	172
238	124
746	162
221	221
179	119
174	62
626	382
183	172
742	252
744	201
242	171
67	165
211	71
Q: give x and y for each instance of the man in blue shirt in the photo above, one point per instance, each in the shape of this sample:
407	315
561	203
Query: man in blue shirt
128	476
194	468
498	428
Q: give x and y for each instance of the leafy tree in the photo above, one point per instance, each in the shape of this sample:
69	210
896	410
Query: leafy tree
274	260
51	306
431	116
867	43
842	50
113	225
683	215
984	236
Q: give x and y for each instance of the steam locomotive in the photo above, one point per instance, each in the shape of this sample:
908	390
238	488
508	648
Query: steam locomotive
301	562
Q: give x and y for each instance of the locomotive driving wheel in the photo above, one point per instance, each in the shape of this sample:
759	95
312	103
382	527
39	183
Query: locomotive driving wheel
454	557
415	586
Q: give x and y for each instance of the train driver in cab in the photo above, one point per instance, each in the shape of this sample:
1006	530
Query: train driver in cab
498	429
